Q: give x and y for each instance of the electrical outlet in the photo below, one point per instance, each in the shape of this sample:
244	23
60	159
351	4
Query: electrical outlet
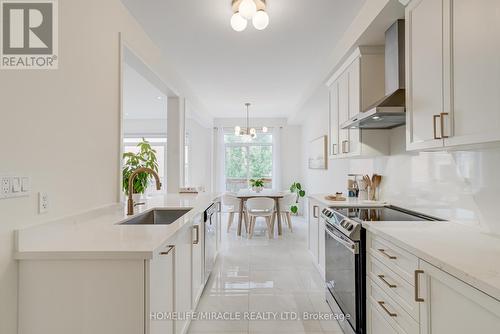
5	186
43	202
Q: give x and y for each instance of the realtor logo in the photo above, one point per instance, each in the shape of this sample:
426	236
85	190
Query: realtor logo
29	34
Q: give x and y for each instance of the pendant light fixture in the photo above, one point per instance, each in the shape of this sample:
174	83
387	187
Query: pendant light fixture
247	132
244	10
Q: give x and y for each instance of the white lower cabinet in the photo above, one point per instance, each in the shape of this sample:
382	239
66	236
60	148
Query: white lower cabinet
183	277
431	301
316	235
197	267
452	306
114	296
160	291
313	229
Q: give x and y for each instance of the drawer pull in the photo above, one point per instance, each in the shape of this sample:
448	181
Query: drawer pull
382	305
417	286
382	278
170	248
390	257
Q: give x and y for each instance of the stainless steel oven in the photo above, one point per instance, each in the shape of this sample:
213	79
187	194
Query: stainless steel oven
344	271
345	259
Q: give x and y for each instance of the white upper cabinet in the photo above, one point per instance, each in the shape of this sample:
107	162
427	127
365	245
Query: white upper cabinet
334	119
475	72
453	73
357	84
424	73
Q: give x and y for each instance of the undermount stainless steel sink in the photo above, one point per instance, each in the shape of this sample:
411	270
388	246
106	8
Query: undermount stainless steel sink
157	217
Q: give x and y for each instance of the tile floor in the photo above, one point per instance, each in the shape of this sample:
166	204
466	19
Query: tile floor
260	275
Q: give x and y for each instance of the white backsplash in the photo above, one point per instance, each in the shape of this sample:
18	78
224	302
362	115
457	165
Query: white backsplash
458	185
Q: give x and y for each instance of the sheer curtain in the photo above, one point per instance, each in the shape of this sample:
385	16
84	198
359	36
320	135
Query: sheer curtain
220	161
277	158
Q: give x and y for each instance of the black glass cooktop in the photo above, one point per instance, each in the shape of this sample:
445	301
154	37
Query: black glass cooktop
389	213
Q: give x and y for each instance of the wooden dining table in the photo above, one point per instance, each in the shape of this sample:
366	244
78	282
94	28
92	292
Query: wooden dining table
245	194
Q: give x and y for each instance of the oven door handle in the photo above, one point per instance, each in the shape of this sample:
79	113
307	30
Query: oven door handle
351	246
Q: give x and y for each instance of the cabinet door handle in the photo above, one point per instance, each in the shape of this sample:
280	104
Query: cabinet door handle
382	305
434	123
417	286
169	249
315	215
197	229
344	145
441	120
333	149
382	278
384	253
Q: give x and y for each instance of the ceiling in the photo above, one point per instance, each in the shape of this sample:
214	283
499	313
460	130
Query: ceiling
273	68
141	99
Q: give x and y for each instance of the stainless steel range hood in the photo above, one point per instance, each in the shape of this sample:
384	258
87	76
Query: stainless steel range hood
389	112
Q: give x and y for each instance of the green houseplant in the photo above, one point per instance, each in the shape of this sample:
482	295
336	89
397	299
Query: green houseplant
146	157
257	184
296	188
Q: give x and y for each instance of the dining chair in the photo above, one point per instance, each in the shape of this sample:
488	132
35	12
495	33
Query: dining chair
286	203
231	204
261	207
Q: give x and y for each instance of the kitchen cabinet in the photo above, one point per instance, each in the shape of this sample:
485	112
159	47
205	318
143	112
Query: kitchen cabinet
357	84
313	229
183	277
430	301
449	305
160	290
197	268
334	135
316	235
453	73
424	73
127	292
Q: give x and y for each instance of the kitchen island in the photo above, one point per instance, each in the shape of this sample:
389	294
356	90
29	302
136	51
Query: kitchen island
94	273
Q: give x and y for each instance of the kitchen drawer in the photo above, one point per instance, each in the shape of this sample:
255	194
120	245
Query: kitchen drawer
391	311
392	284
376	323
397	259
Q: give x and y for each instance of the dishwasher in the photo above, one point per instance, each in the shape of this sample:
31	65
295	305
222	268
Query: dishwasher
211	218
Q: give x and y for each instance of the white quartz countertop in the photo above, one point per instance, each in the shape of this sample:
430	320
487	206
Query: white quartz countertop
97	234
348	203
462	251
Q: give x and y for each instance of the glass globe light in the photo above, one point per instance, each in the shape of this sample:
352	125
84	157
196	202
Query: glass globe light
264	129
260	20
247	9
238	23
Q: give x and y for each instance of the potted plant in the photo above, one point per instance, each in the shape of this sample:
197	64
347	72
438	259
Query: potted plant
146	157
257	185
296	188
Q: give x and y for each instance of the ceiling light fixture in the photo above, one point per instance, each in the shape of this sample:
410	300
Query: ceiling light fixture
244	10
247	132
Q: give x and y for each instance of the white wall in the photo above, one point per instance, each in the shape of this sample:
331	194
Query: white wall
63	127
291	155
462	185
200	150
144	127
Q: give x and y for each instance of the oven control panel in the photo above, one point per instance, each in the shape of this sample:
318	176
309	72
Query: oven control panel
347	226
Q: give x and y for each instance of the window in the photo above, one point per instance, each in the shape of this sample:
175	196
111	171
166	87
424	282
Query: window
248	160
159	144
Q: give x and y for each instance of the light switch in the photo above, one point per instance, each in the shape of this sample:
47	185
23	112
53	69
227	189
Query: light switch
16	185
